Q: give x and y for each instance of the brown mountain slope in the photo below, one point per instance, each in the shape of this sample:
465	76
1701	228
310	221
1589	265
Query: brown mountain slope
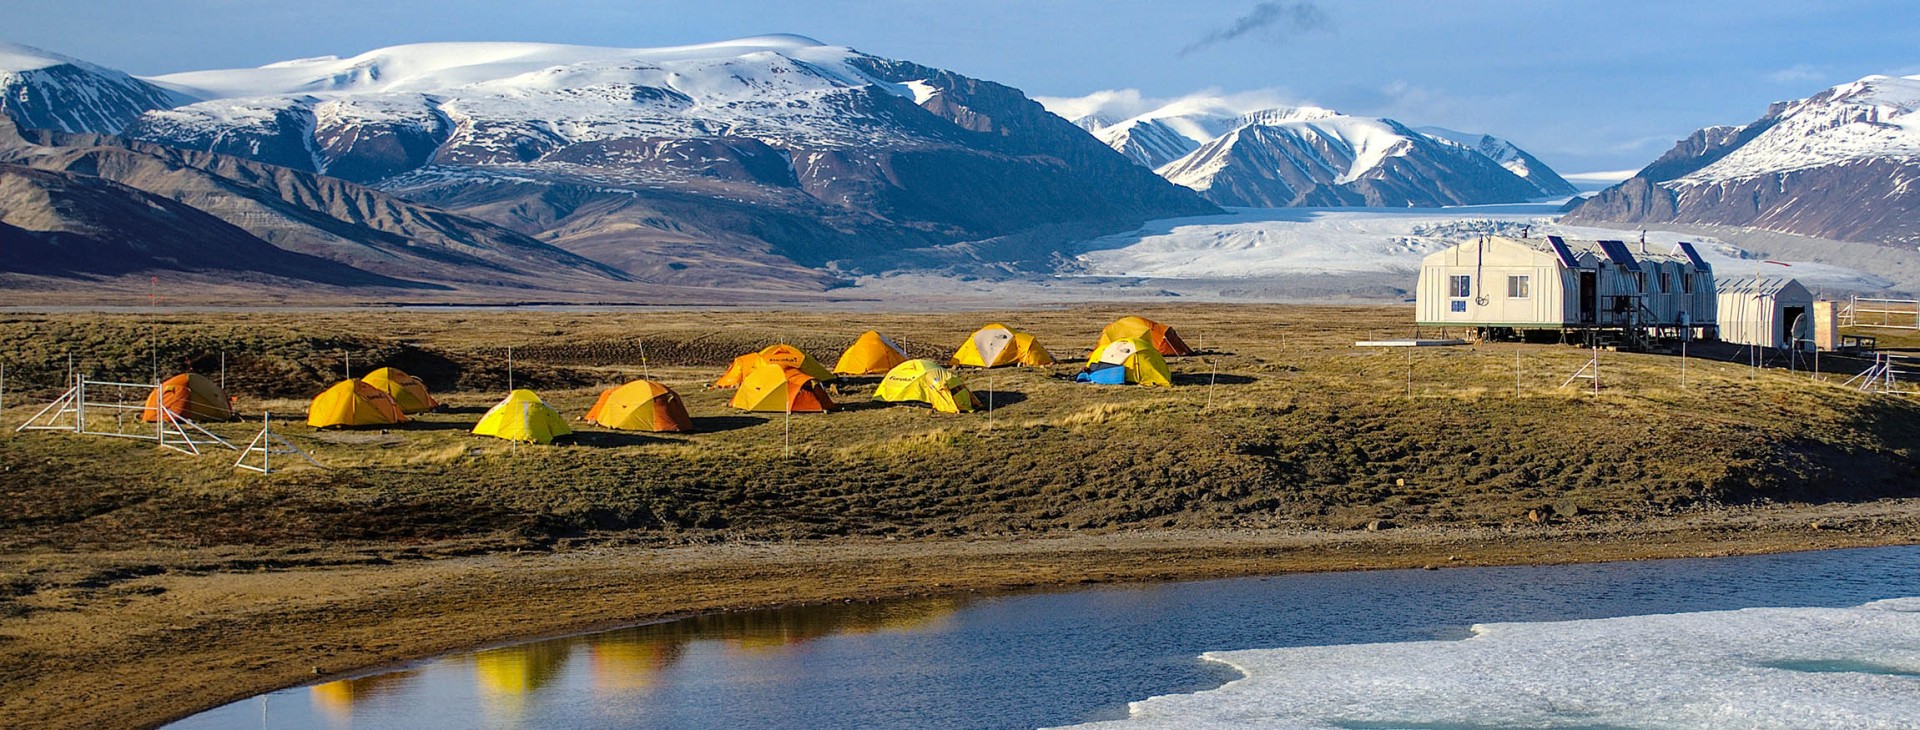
64	224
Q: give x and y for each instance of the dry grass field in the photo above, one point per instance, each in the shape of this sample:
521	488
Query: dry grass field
137	584
1281	423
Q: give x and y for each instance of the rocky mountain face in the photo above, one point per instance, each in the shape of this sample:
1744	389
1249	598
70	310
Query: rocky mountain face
764	162
64	224
1841	164
42	90
363	236
1308	156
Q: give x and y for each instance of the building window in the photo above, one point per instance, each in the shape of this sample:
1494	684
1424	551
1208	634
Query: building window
1459	287
1666	282
1686	283
1519	287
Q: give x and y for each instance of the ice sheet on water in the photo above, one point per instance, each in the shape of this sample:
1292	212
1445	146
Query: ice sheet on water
1754	668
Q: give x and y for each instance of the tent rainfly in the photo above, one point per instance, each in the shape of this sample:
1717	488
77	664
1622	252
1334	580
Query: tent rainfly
352	402
872	354
405	390
641	405
522	416
191	396
996	344
927	382
1769	312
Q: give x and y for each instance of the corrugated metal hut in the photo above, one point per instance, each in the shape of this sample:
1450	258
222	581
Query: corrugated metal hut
1765	311
1500	283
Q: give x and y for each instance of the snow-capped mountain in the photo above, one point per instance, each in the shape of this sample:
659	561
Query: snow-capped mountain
44	90
1840	164
754	160
1305	155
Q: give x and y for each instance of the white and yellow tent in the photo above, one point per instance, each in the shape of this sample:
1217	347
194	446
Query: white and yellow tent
996	344
927	382
523	417
1131	360
872	354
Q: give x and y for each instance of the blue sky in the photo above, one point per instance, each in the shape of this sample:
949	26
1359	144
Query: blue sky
1584	85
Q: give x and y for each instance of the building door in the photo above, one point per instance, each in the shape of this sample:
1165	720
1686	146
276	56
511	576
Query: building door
1790	317
1589	296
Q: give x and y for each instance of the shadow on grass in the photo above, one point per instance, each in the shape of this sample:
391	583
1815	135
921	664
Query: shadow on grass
1205	378
462	409
717	424
609	439
1000	399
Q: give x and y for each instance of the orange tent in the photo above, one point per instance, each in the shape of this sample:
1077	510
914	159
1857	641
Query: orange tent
642	405
406	390
353	403
1164	339
738	370
191	396
779	388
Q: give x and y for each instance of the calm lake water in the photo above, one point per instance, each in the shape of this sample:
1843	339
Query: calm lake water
1025	660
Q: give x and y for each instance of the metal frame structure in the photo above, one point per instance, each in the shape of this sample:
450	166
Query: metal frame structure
170	430
1888	374
1906	309
266	444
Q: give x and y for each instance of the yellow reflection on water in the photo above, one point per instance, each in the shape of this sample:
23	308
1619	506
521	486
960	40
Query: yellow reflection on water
336	699
508	674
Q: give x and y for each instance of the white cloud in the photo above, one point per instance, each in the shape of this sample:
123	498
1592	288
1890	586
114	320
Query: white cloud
1797	74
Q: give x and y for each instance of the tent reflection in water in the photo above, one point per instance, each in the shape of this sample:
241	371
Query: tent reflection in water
1127	361
927	382
522	416
641	405
1164	339
778	388
996	344
353	403
407	391
191	396
872	354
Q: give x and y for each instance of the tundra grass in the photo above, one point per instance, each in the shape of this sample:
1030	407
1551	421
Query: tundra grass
1281	422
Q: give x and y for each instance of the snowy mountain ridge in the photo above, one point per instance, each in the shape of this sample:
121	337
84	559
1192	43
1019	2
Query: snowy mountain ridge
1842	164
46	90
1192	141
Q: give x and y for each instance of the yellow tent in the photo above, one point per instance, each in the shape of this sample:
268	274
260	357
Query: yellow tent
353	403
405	389
782	354
1164	339
872	353
191	396
642	405
790	356
523	417
928	382
779	388
1127	361
995	345
737	371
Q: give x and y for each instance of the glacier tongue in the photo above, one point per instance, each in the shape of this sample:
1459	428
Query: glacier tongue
1799	668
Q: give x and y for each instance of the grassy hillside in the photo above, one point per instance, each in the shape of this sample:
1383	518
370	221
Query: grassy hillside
1298	429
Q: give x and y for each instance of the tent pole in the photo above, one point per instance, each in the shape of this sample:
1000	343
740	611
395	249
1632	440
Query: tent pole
223	371
787	446
509	368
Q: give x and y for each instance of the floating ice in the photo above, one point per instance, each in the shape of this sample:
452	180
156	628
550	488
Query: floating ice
1796	668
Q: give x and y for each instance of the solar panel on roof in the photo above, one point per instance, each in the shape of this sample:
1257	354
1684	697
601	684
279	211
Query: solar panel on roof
1694	256
1566	254
1617	250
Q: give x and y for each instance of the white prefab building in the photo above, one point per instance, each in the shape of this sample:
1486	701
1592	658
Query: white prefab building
1768	311
1495	283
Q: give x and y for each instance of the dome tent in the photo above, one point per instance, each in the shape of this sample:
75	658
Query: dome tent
352	402
1127	361
1164	339
779	354
641	405
872	354
778	388
522	416
996	344
928	382
406	390
191	396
